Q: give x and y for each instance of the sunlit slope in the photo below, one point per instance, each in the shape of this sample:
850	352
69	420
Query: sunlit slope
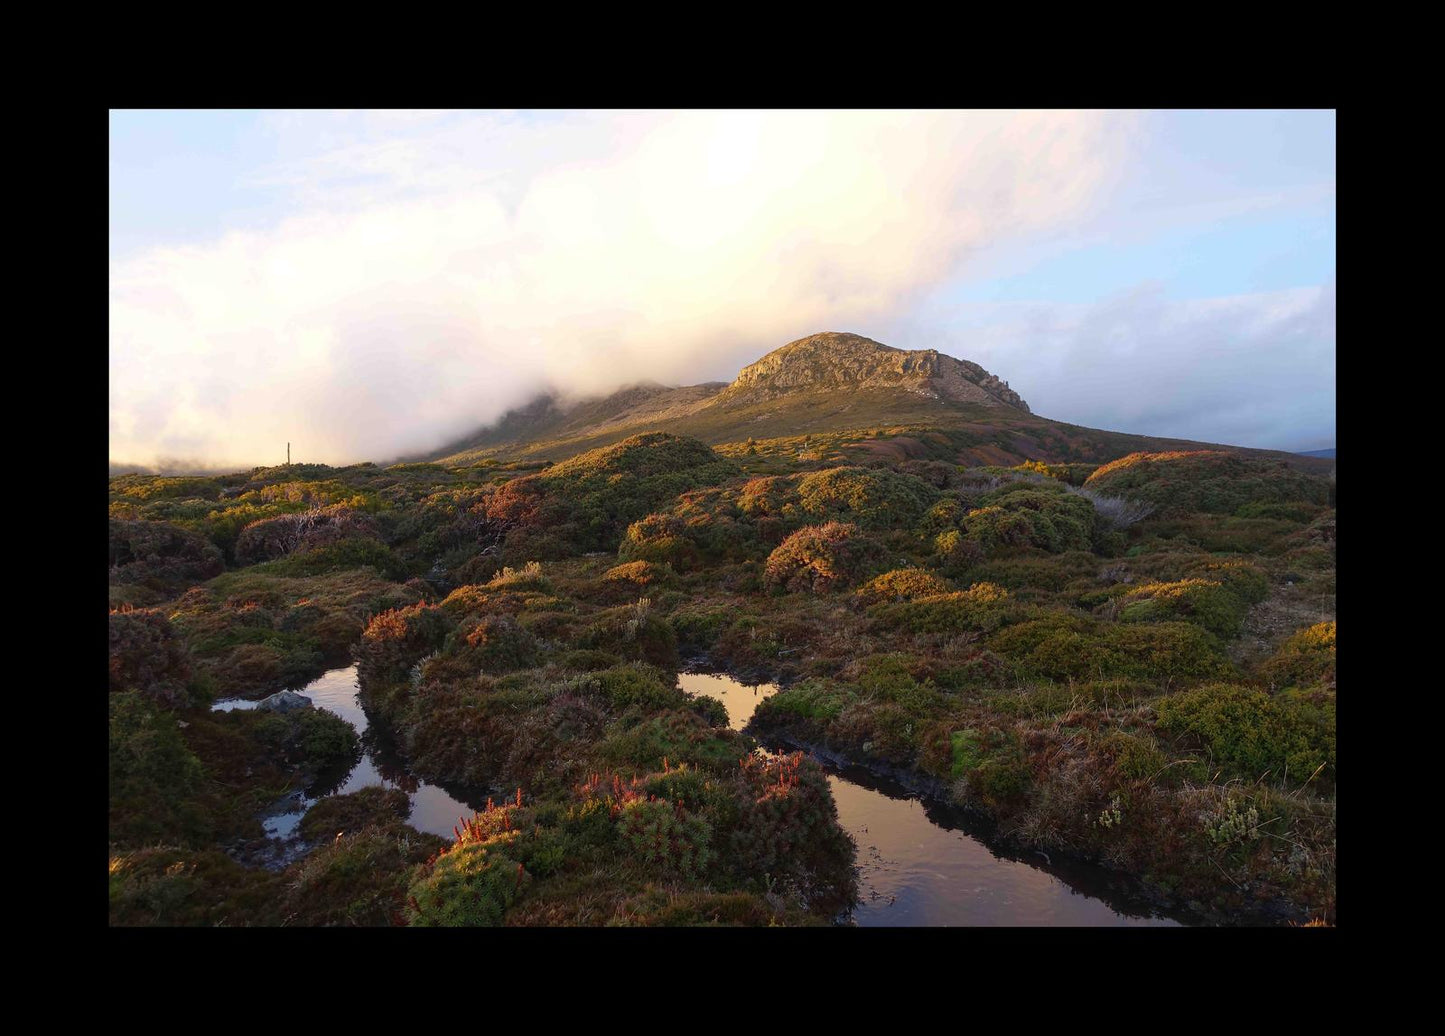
835	395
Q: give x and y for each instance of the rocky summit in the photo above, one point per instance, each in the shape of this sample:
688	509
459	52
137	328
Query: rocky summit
834	360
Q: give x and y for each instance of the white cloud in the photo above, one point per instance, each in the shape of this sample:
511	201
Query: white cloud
439	275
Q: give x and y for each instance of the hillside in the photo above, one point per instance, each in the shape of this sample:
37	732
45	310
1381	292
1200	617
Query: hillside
841	396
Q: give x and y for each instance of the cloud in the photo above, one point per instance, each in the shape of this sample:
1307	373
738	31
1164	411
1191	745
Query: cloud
441	269
1247	370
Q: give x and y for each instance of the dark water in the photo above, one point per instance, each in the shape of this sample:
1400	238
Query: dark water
433	808
919	865
920	862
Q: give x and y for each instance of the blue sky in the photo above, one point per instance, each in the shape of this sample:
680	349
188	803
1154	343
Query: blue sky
1169	273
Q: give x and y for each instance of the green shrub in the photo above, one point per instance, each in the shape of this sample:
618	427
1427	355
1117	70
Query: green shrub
154	777
982	606
1249	733
470	886
868	498
1211	481
1210	604
359	878
312	738
662	835
812	699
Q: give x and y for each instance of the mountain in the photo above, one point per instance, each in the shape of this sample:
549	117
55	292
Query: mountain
1319	453
840	395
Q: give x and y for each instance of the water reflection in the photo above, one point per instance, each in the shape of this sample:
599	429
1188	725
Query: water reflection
919	863
434	808
740	699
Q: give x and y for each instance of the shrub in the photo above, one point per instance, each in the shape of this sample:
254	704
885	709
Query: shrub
663	835
153	775
821	700
640	574
1134	756
870	499
633	632
528	577
1249	582
307	530
361	877
367	807
1210	604
161	556
1025	515
313	738
470	886
625	686
396	640
1212	481
788	829
496	643
1249	733
983	606
171	887
1066	647
901	584
660	539
1305	659
956	553
147	656
677	735
822	558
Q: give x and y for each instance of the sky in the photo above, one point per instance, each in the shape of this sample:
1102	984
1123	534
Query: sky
368	284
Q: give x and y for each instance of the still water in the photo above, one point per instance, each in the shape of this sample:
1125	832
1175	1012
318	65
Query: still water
918	865
918	862
433	808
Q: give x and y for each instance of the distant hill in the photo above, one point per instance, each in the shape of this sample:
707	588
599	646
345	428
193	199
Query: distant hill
1319	453
864	397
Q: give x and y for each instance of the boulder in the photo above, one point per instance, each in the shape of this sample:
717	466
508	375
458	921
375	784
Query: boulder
284	701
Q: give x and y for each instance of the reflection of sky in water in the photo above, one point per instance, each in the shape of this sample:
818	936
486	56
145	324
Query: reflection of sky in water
913	871
432	808
739	699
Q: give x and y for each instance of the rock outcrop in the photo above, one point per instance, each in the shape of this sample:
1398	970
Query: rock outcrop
832	361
